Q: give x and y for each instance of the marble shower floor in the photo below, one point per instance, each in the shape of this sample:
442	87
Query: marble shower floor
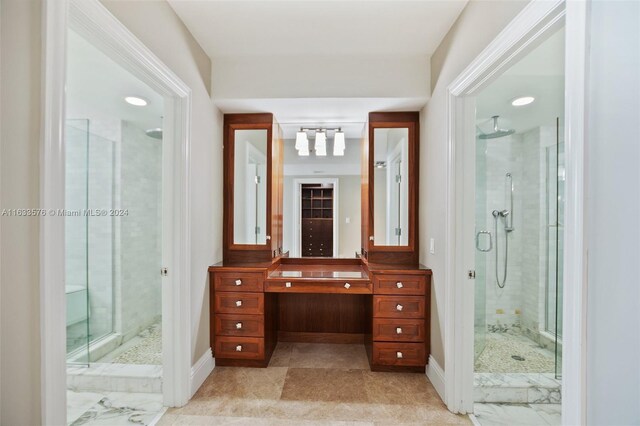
143	349
313	384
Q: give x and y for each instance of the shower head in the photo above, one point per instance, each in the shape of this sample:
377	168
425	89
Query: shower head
497	132
154	133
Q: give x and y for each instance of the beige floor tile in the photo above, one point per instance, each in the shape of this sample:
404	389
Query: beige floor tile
324	384
259	383
321	355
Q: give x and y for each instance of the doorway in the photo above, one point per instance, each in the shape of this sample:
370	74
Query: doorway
115	268
315	217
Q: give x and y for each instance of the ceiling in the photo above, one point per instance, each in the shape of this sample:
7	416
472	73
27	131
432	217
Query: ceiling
330	27
97	85
539	74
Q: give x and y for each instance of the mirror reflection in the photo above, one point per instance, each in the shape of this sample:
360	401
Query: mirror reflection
321	189
391	186
250	186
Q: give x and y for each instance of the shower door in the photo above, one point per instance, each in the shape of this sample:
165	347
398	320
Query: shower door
483	248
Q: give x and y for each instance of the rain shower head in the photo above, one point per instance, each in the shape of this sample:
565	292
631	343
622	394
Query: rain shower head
154	133
497	132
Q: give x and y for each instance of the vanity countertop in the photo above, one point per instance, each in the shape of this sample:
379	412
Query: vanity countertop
319	272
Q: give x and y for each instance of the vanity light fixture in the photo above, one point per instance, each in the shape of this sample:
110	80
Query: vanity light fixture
522	101
338	143
321	143
302	141
136	101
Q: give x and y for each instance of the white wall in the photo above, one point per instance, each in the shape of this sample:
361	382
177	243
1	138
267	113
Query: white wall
476	26
341	77
19	246
613	214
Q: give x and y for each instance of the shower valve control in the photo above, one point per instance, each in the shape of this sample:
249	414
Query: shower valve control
238	325
238	303
399	307
399	284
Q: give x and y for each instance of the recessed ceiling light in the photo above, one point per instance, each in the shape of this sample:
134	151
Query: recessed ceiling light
524	100
135	100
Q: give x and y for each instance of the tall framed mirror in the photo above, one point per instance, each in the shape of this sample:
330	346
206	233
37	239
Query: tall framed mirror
249	196
392	224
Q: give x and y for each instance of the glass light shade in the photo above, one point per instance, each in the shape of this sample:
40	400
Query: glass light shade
338	152
338	142
321	140
304	152
302	142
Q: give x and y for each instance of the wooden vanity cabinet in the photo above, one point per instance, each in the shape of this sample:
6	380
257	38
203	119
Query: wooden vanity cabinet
242	316
401	311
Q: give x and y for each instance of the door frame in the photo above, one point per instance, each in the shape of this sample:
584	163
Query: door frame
92	19
533	23
297	218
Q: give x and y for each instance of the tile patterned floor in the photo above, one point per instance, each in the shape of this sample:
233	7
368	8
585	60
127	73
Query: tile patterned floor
313	384
517	414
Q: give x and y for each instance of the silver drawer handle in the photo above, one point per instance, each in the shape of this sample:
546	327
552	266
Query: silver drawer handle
238	282
399	307
398	330
347	285
287	284
399	284
239	348
238	303
399	355
238	325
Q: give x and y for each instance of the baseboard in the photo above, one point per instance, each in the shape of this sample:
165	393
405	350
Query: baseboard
435	373
200	371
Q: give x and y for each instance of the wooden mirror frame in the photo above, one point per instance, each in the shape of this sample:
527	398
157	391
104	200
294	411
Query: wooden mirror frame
409	254
239	253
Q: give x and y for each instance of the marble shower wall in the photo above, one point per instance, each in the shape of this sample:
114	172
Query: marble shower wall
138	234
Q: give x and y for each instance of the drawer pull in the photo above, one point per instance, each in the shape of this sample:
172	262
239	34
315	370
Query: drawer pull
287	284
238	282
398	330
399	355
399	284
238	303
399	307
347	285
238	325
239	348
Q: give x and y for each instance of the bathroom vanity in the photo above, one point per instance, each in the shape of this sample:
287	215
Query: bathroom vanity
260	295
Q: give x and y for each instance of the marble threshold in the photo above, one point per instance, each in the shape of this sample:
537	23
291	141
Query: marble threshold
517	388
104	377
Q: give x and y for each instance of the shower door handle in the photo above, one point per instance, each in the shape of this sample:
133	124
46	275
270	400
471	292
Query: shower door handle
478	241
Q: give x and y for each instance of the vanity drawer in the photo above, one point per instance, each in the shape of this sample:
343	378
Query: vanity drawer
399	284
238	281
239	347
399	354
240	325
398	330
398	306
347	287
240	303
